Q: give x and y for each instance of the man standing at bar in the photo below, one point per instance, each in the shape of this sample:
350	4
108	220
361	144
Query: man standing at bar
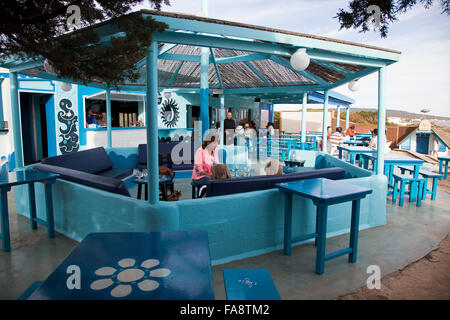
228	125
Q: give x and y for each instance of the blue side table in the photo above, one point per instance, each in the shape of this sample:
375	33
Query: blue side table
323	192
29	177
443	161
170	265
353	151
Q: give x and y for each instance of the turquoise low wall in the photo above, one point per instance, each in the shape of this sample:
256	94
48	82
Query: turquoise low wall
238	225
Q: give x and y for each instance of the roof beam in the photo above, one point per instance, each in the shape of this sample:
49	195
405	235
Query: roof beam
342	58
166	47
50	76
213	58
290	89
26	66
304	73
295	40
355	75
179	57
219	42
175	74
243	58
332	66
255	71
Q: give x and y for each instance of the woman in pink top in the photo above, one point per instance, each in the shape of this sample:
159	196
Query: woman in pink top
204	159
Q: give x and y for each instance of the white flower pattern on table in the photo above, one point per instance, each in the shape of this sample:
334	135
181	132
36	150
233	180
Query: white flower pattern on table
128	275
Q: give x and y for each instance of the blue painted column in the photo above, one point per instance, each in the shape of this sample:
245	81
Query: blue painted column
1	100
325	121
304	101
381	119
338	116
108	118
271	119
204	90
204	79
347	117
222	118
17	127
152	124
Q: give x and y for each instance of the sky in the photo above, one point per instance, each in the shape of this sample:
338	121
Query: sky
421	79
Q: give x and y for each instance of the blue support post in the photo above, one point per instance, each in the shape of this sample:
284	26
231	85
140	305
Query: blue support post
325	121
304	101
347	117
1	100
381	119
204	90
338	116
222	118
17	127
108	118
152	124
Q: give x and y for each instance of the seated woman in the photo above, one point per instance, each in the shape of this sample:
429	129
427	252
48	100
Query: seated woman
204	159
220	171
273	168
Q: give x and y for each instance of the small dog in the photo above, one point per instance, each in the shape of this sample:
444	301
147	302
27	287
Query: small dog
174	196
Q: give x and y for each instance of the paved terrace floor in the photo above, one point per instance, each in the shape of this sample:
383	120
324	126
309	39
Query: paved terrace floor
410	234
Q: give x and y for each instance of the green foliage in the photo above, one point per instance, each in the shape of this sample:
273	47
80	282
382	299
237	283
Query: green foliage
38	30
357	16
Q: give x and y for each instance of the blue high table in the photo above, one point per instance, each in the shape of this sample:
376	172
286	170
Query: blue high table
323	192
171	265
353	151
443	162
29	177
390	161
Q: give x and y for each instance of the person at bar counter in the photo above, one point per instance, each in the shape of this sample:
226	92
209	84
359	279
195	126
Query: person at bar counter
90	116
228	124
204	159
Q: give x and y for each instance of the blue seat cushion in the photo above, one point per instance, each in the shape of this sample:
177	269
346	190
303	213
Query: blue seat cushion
116	173
90	161
247	184
87	179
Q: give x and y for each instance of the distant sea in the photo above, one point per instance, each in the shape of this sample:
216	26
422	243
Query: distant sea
442	123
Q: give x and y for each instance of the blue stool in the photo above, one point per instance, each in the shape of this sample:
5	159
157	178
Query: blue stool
403	180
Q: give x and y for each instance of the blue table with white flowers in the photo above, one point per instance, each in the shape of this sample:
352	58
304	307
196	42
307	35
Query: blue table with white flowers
172	265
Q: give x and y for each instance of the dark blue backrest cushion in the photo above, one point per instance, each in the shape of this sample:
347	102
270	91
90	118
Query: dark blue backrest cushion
90	161
247	184
166	148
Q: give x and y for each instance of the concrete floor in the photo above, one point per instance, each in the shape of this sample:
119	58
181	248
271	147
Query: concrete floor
410	234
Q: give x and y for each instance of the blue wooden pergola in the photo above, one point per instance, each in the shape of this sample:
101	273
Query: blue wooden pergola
202	55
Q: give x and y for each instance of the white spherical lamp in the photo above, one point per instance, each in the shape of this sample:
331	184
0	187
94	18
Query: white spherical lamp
353	85
66	86
167	95
48	67
300	60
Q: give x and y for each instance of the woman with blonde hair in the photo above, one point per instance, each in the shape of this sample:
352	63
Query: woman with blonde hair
220	171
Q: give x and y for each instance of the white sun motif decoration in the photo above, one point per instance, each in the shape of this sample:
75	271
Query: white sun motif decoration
128	276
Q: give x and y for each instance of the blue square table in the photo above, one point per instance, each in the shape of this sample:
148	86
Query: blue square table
353	151
29	177
172	265
442	161
323	192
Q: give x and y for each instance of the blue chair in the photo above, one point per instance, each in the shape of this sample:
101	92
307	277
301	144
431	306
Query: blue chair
27	293
403	180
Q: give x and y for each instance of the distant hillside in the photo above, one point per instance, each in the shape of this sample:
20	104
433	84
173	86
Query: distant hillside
403	114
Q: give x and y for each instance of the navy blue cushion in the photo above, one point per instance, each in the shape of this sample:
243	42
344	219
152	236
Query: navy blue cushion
116	173
166	148
89	161
87	179
247	184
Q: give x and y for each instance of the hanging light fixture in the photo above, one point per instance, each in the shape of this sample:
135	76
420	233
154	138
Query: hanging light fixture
300	60
48	67
167	95
65	86
353	85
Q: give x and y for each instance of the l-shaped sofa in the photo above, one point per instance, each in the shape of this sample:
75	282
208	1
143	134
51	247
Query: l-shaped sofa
239	225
